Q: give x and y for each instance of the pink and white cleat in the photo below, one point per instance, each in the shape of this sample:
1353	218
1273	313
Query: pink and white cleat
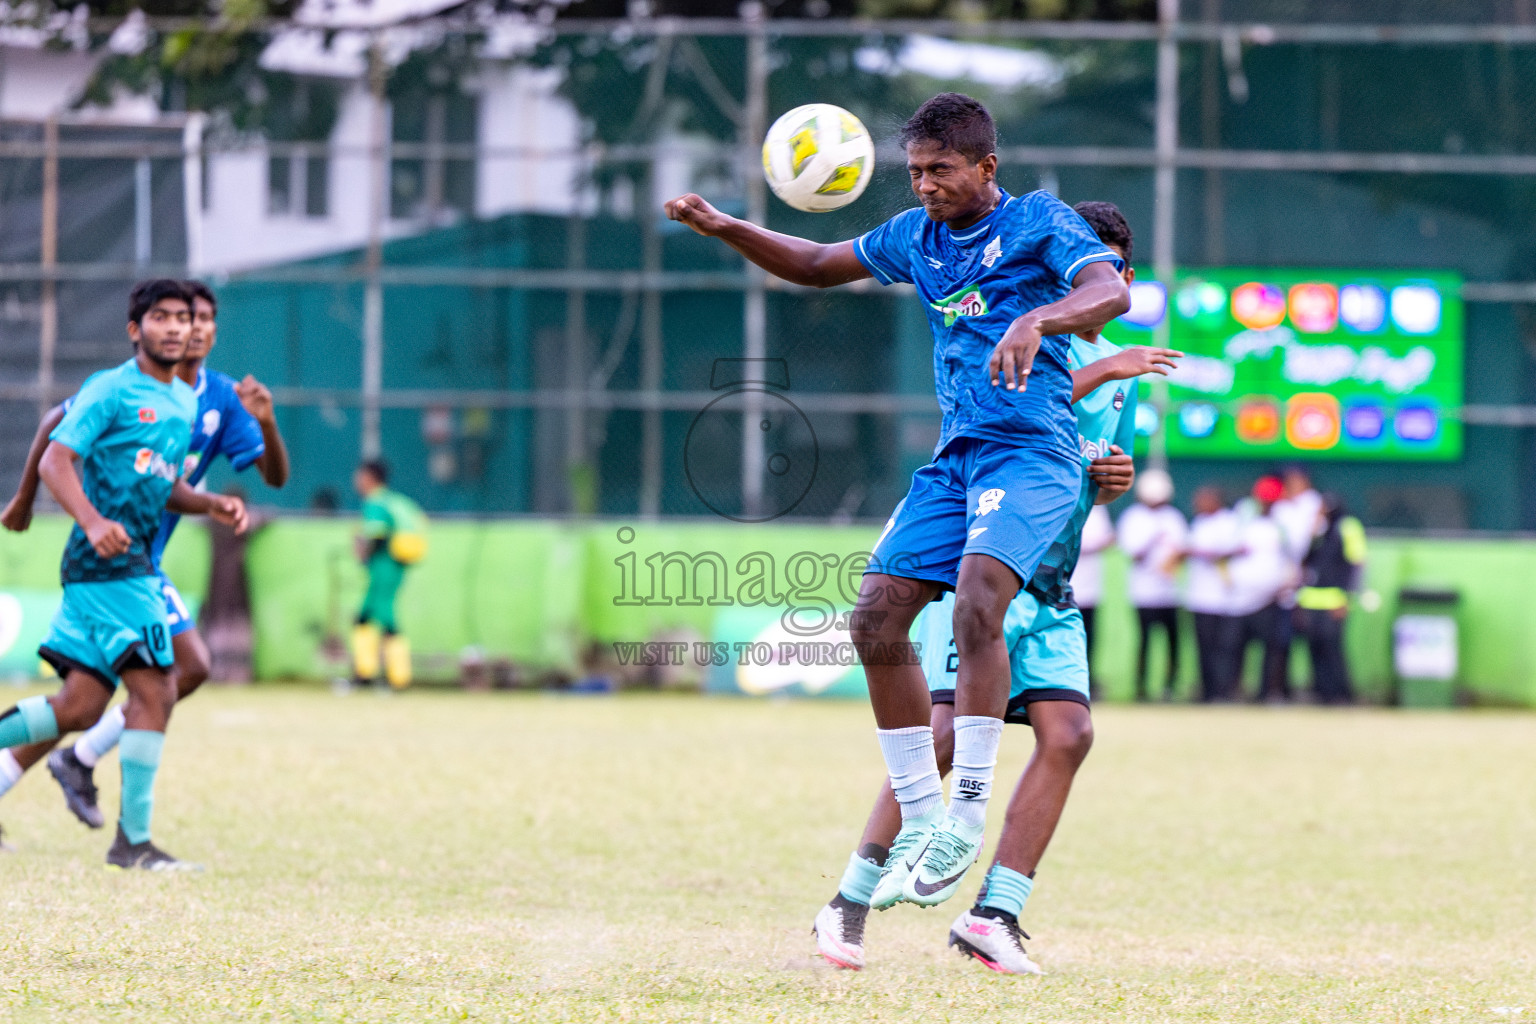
839	932
994	938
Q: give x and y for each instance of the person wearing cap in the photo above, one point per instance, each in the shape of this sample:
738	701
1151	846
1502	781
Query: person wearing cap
1259	573
1330	573
1151	533
1215	539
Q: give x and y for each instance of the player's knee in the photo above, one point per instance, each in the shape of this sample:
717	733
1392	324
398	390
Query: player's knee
1067	740
881	615
77	708
976	622
190	674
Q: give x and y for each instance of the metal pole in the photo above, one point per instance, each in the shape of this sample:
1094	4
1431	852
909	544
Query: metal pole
48	333
575	362
1164	190
650	355
373	292
754	327
193	188
143	212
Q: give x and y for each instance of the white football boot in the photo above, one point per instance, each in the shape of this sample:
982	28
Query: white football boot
995	939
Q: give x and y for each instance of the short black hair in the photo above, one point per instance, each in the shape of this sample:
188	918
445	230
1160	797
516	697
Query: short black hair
954	121
198	290
376	469
1108	223
146	293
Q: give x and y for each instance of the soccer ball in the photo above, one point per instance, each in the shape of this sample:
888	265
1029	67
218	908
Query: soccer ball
818	157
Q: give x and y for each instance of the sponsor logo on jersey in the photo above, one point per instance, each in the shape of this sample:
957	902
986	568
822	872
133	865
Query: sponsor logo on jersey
993	252
211	422
150	463
189	463
1119	402
990	501
968	301
147	414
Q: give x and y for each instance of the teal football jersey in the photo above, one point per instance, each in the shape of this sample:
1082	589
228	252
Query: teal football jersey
1106	416
131	433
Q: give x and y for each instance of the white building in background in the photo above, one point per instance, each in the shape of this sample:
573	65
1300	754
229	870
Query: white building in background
249	208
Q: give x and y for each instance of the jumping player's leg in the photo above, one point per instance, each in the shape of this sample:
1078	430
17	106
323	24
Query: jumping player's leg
839	927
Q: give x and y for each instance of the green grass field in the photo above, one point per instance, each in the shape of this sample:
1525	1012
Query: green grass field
442	857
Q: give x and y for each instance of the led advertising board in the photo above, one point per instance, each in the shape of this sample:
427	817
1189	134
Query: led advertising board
1339	364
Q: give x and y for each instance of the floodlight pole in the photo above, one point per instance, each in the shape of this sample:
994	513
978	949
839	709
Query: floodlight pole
1164	192
373	289
754	327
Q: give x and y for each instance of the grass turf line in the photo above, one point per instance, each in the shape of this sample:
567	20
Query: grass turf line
442	857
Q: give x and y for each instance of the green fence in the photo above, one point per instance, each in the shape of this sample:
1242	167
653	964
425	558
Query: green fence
537	591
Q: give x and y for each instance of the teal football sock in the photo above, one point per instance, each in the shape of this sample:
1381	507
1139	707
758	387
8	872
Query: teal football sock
859	879
30	721
139	754
1006	890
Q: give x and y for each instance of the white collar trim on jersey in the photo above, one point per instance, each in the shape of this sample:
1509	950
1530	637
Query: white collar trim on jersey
985	225
202	381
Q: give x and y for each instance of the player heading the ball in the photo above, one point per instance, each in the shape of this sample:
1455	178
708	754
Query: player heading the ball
1005	281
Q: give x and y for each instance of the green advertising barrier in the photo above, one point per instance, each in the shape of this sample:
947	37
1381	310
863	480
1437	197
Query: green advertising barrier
537	592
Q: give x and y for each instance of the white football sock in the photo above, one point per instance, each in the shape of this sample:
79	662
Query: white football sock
94	743
914	770
976	741
10	771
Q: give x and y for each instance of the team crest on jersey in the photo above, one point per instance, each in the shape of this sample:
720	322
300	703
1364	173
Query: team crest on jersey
990	501
147	414
211	422
968	301
189	463
1119	402
993	252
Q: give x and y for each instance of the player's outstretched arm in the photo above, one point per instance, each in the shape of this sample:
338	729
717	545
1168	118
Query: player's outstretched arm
18	511
226	508
57	469
1123	365
257	399
796	260
1098	295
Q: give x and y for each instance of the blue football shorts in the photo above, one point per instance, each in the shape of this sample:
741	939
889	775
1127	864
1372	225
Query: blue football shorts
1047	652
980	497
102	628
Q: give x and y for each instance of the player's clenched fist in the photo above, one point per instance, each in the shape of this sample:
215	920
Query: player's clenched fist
108	537
229	510
1114	473
256	397
693	211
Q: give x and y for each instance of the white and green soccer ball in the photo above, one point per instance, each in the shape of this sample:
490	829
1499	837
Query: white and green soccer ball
818	157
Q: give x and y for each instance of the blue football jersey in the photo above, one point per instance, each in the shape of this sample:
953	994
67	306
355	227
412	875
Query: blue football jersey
131	432
1106	416
223	427
974	283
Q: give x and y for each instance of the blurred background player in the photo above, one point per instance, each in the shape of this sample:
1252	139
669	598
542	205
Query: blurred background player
129	428
234	419
392	538
1215	538
1151	533
1330	573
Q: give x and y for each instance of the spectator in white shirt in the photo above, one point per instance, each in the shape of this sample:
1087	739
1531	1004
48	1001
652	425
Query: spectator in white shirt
1088	577
1297	513
1259	574
1151	532
1215	539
